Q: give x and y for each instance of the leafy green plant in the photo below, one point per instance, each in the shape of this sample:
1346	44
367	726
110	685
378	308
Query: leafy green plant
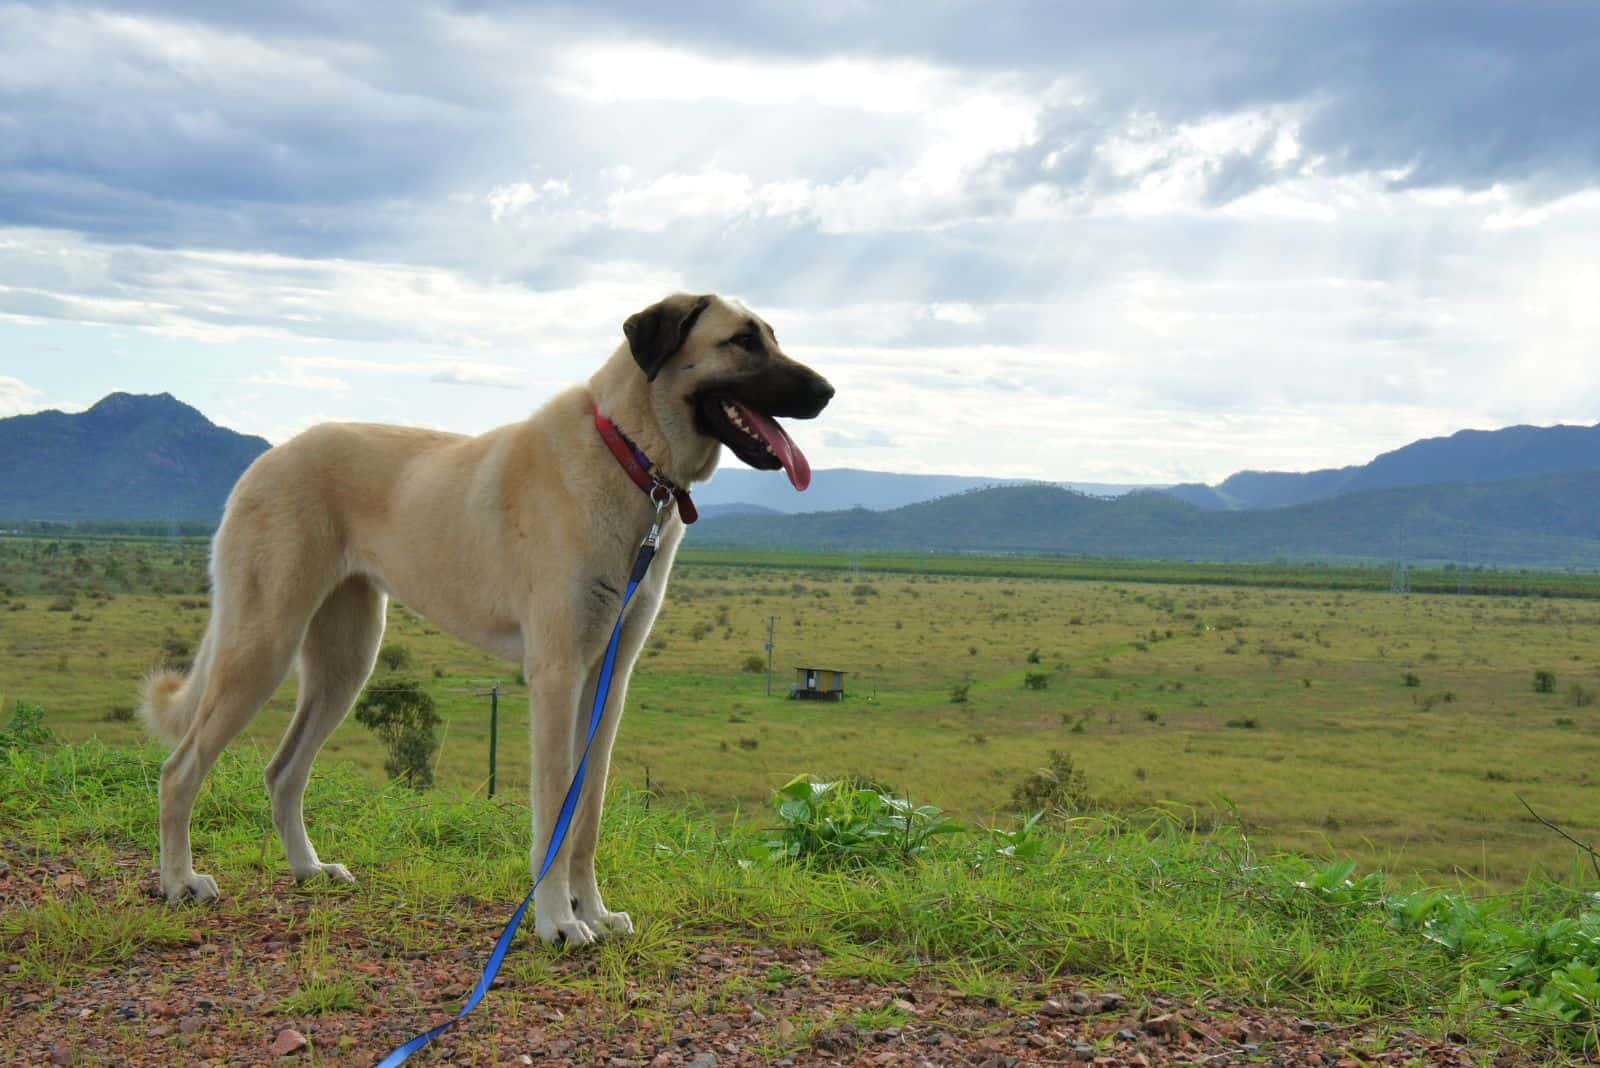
1544	682
1027	842
1546	972
1036	680
842	824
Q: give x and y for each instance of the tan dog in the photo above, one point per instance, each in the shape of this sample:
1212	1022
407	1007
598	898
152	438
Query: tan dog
519	541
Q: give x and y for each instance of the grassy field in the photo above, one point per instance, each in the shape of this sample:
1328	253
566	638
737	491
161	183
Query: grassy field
815	958
1396	729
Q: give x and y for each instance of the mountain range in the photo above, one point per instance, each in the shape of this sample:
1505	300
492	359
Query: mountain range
129	457
1547	522
1520	496
741	489
1466	456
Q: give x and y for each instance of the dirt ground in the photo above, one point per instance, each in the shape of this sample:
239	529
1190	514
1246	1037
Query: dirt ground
217	1000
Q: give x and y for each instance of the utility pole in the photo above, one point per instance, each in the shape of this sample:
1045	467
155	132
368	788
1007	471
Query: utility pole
771	621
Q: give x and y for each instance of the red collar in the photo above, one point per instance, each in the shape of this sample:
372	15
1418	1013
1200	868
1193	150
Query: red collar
638	465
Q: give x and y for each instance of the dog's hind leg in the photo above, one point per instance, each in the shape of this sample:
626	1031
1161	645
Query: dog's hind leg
337	656
247	664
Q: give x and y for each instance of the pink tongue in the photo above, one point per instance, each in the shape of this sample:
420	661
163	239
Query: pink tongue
789	455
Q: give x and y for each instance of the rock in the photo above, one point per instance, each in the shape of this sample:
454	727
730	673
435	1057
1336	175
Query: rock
704	1060
289	1041
61	1055
1166	1025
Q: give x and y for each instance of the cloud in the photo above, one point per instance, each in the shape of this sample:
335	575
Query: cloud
1160	238
514	198
494	377
296	378
856	439
17	397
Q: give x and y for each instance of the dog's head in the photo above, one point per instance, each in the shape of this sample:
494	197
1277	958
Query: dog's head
724	364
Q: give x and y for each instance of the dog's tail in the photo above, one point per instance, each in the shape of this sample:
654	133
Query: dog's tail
170	698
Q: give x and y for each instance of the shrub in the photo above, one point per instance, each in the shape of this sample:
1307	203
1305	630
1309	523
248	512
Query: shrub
1544	682
1248	723
1033	656
754	665
26	729
395	656
959	692
403	715
1412	679
177	653
1579	697
120	714
1036	680
1057	789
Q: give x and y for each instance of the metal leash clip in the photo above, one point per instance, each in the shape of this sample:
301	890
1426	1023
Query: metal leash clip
661	494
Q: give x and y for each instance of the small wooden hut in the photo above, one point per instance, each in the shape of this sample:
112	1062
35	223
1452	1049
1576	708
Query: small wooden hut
817	684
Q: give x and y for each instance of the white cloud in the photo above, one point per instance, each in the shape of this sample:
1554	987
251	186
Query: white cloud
296	378
613	73
494	377
511	199
17	397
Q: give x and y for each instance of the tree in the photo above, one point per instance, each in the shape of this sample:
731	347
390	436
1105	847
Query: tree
403	715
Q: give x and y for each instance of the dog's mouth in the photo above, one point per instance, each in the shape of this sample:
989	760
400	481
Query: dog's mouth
756	439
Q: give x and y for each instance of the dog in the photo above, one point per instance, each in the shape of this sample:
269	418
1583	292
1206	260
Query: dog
518	541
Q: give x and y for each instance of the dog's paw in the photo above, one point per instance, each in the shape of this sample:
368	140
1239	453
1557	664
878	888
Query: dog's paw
335	873
572	932
611	923
193	887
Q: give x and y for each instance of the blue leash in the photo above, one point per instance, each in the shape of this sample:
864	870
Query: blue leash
641	564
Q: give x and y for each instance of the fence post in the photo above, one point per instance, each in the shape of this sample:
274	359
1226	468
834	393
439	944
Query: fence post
494	730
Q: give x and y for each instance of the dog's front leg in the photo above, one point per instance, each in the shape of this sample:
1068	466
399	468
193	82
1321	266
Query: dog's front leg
589	905
555	683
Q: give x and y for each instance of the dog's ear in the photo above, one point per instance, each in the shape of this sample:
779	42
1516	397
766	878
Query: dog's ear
661	329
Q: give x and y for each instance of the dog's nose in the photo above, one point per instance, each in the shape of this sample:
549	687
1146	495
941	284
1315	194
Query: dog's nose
821	392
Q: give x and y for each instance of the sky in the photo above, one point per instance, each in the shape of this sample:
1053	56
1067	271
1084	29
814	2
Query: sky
1134	242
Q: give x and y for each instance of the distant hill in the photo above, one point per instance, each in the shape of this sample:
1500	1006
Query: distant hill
129	457
1549	522
835	488
1475	456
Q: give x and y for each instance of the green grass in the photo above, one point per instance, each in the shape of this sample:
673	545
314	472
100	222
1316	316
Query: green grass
93	934
1150	904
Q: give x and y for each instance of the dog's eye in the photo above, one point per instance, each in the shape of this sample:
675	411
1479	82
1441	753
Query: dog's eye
746	340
